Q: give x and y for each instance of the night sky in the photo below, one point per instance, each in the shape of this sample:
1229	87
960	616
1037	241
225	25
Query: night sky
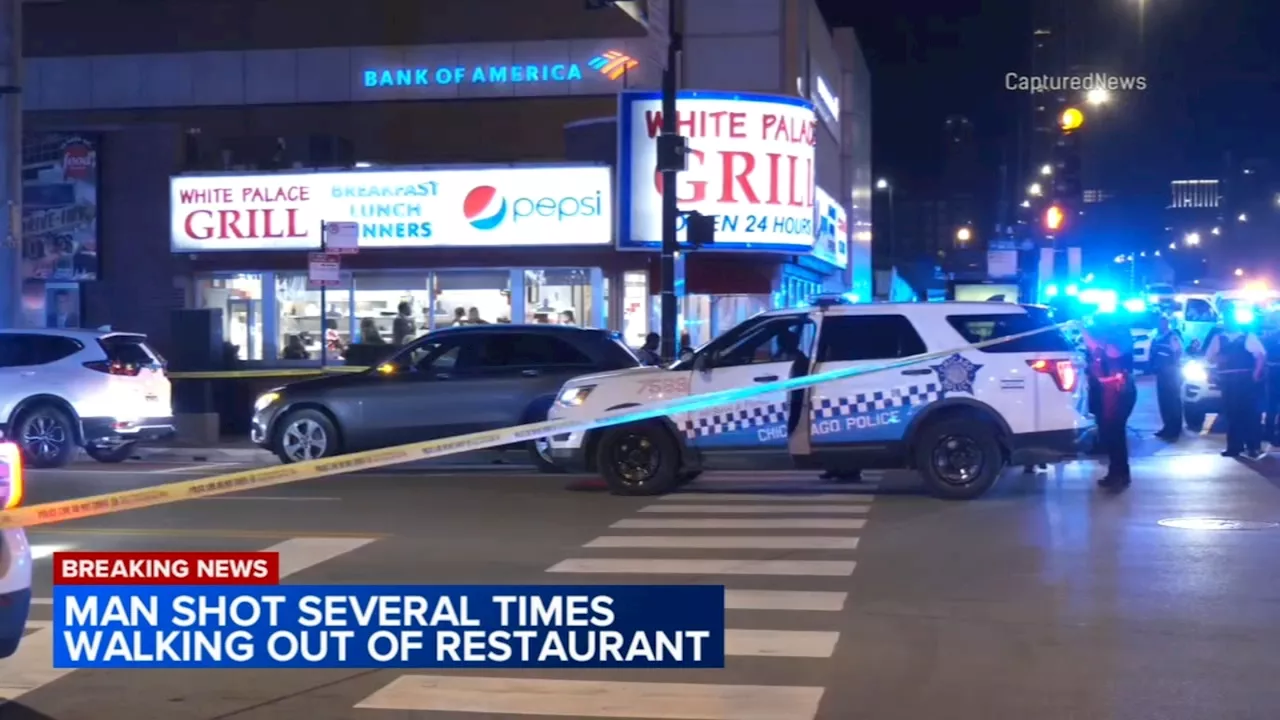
1212	70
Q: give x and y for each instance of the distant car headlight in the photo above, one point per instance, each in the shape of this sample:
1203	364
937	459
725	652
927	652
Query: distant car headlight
265	400
575	396
1195	372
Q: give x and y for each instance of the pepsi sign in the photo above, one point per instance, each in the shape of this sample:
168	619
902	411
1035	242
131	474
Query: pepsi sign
473	207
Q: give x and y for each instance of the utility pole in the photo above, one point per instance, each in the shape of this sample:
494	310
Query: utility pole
668	142
10	163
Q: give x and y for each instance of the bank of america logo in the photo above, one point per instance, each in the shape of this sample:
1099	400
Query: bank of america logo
613	64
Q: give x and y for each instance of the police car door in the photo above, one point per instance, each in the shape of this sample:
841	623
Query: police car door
747	357
867	412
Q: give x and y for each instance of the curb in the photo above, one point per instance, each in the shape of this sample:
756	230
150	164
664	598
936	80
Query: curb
203	454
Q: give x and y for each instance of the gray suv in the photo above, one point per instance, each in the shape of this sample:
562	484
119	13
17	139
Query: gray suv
449	382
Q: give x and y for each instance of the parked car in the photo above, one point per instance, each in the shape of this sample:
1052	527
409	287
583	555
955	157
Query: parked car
99	390
449	382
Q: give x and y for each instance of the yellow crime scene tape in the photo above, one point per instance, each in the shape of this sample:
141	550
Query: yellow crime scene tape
92	506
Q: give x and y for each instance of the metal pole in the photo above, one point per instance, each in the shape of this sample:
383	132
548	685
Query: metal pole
670	212
11	163
324	312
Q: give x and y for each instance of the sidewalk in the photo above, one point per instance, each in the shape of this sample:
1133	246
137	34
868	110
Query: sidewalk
239	450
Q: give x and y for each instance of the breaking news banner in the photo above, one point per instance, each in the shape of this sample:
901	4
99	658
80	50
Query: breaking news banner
188	610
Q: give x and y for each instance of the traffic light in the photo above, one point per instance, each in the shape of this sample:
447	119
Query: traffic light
1054	218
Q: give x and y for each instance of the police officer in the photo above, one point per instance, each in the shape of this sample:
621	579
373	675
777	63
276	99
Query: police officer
1111	372
1271	343
1240	359
1166	363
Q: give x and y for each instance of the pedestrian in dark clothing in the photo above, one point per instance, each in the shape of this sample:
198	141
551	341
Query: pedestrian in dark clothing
1111	365
1271	343
649	351
1240	361
1166	363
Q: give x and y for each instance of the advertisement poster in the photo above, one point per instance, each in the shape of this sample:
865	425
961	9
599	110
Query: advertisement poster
60	207
482	207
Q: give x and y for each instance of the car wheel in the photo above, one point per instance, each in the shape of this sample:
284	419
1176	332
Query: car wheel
305	435
960	459
110	453
46	435
1194	418
540	455
639	459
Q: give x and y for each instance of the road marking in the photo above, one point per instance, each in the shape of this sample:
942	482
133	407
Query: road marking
595	698
726	542
780	643
809	600
758	509
180	532
40	551
769	497
207	467
741	524
677	566
32	666
274	498
40	601
1209	420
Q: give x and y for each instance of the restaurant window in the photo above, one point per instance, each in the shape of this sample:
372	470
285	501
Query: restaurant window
302	334
471	297
239	297
635	316
392	307
558	296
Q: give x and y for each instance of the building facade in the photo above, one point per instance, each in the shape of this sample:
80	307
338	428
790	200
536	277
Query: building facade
492	111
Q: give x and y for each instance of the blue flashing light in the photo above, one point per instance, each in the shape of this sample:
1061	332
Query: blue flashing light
1135	305
1245	316
1088	278
1073	290
1051	291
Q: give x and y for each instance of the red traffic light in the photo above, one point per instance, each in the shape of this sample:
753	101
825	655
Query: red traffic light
1053	218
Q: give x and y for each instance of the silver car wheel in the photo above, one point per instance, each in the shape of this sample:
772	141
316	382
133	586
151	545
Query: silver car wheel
304	440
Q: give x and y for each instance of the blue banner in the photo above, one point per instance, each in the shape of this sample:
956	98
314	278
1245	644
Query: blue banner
389	626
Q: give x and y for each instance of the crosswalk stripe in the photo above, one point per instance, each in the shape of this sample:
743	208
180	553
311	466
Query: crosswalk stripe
769	497
740	524
703	566
595	698
809	600
780	643
731	509
32	666
726	542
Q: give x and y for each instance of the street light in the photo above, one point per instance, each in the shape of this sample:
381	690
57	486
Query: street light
1216	231
1046	169
964	235
1239	272
1035	190
1173	246
1097	96
1242	217
1026	203
882	184
1192	239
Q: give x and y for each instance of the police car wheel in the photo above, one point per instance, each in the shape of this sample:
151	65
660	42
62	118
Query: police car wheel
639	459
959	459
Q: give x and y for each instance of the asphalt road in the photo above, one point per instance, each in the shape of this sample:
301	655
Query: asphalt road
1046	599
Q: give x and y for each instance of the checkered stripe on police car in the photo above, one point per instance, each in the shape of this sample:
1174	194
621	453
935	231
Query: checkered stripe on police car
828	408
730	421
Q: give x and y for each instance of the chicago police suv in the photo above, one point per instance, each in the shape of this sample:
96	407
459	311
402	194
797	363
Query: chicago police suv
958	419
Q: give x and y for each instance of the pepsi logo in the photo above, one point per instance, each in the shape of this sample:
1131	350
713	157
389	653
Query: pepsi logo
484	208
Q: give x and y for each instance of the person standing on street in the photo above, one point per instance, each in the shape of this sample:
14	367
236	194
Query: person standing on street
1241	361
1166	363
1271	343
1111	366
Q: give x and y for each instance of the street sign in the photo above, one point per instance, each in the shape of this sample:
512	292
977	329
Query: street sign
342	237
324	270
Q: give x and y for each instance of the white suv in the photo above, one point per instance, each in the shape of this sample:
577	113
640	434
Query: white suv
65	389
958	419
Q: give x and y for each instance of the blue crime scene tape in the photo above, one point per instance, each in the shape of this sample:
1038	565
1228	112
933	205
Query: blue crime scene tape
65	510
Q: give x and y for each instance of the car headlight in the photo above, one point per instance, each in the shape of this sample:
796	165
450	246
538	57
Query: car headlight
265	400
575	396
1195	372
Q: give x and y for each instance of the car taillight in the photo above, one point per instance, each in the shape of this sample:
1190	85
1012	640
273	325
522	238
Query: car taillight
11	480
1063	372
111	368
